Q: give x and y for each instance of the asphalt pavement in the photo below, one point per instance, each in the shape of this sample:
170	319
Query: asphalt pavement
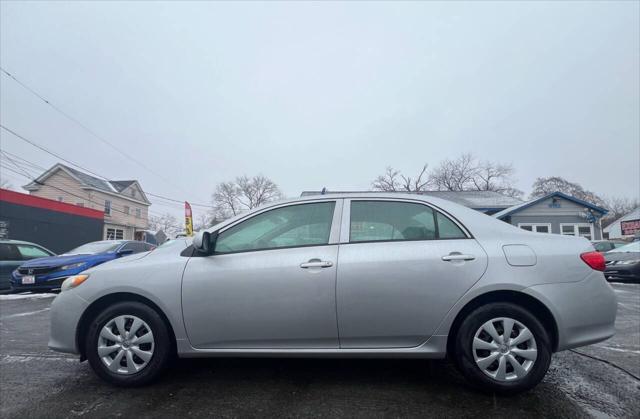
36	382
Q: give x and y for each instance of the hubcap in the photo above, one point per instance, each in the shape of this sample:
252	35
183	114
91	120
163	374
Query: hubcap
504	349
126	344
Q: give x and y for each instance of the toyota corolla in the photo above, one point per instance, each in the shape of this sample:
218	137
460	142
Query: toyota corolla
344	275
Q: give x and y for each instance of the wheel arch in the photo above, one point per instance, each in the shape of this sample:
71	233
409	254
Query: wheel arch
535	306
105	301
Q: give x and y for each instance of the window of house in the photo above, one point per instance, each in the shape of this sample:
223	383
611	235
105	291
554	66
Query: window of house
137	212
579	229
536	227
107	207
133	193
390	221
126	210
293	225
80	204
114	234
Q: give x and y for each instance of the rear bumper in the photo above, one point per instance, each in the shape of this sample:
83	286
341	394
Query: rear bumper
585	311
66	311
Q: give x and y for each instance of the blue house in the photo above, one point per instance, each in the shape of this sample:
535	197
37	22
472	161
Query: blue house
556	213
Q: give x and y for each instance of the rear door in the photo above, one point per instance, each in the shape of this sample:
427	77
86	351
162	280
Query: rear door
402	266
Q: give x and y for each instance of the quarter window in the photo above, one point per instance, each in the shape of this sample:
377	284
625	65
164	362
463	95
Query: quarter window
291	226
447	229
390	221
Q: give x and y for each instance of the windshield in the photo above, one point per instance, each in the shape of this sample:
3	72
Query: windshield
631	247
95	248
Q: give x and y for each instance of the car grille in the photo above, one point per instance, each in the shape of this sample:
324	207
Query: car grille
36	271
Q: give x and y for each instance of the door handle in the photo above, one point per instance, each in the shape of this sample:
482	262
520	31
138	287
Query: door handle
315	263
455	256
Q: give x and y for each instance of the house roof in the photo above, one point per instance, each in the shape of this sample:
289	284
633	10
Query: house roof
527	204
121	185
478	200
109	186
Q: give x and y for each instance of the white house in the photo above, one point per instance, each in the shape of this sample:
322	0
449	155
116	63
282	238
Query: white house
625	227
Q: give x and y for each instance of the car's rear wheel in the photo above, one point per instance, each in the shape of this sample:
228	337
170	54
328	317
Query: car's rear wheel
502	347
128	344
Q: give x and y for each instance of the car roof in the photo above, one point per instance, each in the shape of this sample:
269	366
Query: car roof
11	241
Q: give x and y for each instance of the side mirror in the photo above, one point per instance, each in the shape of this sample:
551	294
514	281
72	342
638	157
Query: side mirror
125	252
205	242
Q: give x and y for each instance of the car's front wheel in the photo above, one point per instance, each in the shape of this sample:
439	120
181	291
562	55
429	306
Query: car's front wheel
128	344
502	347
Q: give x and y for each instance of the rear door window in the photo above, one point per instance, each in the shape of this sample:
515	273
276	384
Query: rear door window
399	221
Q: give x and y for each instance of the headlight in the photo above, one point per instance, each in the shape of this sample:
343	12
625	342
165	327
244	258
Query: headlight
73	281
72	266
628	262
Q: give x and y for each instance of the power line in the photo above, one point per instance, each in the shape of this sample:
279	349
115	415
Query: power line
84	168
86	128
84	198
25	173
14	157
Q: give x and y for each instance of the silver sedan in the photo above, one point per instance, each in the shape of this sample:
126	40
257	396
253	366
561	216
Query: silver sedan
345	275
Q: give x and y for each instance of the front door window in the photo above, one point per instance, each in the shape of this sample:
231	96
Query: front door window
291	226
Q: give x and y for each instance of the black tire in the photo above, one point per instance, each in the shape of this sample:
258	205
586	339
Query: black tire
463	352
162	344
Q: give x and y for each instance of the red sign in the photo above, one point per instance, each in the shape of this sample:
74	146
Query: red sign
630	227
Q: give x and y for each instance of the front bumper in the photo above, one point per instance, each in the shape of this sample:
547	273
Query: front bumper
585	311
39	286
66	310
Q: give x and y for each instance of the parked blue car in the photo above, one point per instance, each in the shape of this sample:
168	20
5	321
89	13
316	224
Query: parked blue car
48	273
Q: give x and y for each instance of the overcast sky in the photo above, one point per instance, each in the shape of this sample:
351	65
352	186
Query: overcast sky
326	94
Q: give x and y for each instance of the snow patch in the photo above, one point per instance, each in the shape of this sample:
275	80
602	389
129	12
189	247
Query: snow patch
9	297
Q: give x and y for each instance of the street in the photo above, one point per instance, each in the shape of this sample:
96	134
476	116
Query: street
36	382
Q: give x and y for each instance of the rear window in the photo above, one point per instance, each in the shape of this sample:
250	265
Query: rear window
31	252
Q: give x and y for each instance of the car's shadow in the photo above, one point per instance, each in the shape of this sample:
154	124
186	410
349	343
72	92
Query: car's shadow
245	387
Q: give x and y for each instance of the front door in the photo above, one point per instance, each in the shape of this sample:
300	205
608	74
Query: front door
403	265
269	284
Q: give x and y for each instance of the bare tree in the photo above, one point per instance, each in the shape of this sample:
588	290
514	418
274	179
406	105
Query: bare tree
166	222
461	174
243	194
496	177
546	185
618	207
455	175
392	181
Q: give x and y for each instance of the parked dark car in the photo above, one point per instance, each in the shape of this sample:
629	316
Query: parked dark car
14	253
603	246
48	273
623	263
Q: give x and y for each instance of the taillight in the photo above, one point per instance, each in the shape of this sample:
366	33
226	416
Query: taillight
595	260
